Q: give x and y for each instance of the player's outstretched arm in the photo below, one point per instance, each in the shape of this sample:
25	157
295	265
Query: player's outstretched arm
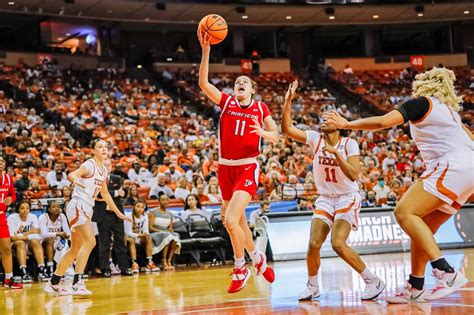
80	172
286	122
104	192
210	90
393	118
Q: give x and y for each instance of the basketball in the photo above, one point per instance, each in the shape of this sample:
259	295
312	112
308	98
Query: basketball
215	26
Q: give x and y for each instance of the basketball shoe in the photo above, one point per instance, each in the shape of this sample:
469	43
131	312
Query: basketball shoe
56	289
309	293
264	270
79	289
373	288
240	276
408	295
135	268
446	283
12	284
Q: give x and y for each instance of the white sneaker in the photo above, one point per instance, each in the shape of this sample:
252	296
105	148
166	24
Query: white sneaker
409	295
373	288
446	283
56	289
79	289
309	293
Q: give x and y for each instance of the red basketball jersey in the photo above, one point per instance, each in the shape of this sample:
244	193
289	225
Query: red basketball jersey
235	140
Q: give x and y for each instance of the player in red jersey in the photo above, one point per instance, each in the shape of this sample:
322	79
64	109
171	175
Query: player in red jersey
7	197
240	133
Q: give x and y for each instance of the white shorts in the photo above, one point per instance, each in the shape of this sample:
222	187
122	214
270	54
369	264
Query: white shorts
451	179
78	213
344	207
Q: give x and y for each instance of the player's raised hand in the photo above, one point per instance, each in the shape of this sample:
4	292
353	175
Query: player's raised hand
256	128
291	92
122	216
333	118
204	39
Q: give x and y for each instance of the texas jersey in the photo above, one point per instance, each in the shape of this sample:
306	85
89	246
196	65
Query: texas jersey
328	176
87	188
440	132
236	142
49	228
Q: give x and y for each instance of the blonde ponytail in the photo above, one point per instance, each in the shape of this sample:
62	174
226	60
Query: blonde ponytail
439	83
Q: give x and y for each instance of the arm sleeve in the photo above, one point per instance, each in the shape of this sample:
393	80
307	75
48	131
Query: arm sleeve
224	99
43	225
312	139
414	109
64	224
352	148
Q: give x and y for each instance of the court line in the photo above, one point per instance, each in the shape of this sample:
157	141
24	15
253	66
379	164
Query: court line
453	304
222	308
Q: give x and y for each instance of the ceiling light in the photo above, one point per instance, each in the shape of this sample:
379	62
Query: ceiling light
466	12
245	17
375	16
332	17
139	66
289	17
11	2
420	14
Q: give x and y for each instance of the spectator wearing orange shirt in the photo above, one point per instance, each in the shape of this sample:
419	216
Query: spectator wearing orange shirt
209	167
202	196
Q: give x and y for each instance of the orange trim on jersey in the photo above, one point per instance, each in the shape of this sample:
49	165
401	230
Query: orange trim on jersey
431	173
427	113
324	214
443	189
76	218
318	145
345	210
80	185
85	214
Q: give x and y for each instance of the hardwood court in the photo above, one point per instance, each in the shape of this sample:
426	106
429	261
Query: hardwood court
203	291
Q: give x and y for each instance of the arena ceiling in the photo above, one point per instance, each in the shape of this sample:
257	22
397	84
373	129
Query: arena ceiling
290	12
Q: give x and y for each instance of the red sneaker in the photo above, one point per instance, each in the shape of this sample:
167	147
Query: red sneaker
239	279
264	270
10	283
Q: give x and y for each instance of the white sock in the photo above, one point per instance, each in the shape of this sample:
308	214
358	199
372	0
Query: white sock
367	274
239	262
50	263
9	275
254	255
313	280
150	260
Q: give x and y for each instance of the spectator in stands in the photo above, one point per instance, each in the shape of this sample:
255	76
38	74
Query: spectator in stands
261	211
301	206
214	195
66	194
181	191
132	196
371	200
292	189
192	205
348	70
137	234
390	160
23	183
54	192
160	186
52	224
277	193
344	111
34	191
202	196
25	234
255	59
134	172
381	190
392	199
161	228
59	180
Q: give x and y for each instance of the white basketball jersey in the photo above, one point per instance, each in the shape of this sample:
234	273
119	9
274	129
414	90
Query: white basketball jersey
17	226
328	176
440	132
49	226
87	188
137	226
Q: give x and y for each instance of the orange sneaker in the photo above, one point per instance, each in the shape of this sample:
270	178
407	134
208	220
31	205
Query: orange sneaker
152	267
239	279
264	270
135	268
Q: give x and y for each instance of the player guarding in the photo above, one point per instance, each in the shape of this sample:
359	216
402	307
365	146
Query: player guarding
336	166
240	133
89	180
446	146
7	197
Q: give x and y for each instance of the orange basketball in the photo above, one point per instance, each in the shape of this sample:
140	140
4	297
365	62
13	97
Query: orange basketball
215	26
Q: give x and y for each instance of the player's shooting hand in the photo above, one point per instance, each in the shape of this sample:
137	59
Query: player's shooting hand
7	201
204	39
256	128
333	118
291	92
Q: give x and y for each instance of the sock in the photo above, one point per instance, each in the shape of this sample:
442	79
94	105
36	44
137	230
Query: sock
50	264
150	260
8	275
77	277
239	262
55	279
134	261
313	280
254	255
416	282
441	264
367	274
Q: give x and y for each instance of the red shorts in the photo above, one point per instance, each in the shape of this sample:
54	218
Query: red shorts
4	232
242	177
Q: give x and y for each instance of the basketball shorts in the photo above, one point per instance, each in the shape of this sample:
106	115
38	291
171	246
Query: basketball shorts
240	177
343	207
451	179
78	212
